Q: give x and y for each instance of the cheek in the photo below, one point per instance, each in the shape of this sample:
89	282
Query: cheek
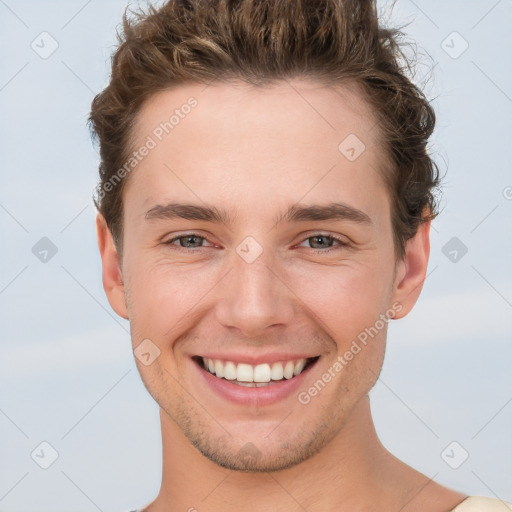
164	294
345	299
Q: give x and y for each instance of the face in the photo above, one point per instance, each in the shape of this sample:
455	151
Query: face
257	250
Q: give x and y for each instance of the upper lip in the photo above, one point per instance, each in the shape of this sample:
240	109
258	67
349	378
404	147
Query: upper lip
257	359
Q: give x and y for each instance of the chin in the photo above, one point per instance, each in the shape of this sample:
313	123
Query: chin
262	455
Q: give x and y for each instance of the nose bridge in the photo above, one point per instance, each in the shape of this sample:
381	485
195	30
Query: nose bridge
253	297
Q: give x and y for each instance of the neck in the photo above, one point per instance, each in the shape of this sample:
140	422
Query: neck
353	472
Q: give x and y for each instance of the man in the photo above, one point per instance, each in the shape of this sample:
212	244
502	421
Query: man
264	205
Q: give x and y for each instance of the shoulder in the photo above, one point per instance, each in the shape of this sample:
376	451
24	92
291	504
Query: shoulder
482	504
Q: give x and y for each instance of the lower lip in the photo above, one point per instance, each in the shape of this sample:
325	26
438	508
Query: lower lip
254	396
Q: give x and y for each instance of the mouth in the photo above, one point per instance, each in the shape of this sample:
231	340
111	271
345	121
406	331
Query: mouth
255	376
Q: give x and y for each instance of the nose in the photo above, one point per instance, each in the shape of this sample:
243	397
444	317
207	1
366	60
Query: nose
254	297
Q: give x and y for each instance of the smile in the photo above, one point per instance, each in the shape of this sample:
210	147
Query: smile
260	375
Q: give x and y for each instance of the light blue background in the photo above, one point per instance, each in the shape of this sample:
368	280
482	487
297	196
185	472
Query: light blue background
67	374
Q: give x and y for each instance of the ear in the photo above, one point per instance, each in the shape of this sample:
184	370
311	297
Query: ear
412	270
112	273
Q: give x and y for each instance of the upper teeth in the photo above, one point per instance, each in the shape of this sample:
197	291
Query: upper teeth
260	373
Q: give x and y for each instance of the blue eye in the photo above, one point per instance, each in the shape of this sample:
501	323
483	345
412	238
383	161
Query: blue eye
325	242
322	240
184	240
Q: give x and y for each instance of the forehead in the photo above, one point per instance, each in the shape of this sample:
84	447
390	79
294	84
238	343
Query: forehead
233	138
289	106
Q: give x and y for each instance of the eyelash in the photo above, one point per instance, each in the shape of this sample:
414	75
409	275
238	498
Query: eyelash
341	243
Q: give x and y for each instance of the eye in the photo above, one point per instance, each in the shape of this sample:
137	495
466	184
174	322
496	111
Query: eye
318	242
324	243
187	241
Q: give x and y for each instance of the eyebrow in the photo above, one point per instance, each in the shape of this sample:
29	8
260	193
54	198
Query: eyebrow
331	211
188	212
296	213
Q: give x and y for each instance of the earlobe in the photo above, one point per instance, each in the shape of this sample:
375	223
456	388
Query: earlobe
112	274
412	270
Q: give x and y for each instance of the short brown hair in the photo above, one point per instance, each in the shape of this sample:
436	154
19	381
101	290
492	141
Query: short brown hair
260	41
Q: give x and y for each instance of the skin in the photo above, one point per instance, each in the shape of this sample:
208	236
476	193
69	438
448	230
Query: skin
254	153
